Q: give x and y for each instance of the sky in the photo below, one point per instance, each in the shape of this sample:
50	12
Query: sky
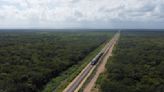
111	14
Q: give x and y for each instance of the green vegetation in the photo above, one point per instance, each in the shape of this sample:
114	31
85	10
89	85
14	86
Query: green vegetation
137	64
28	60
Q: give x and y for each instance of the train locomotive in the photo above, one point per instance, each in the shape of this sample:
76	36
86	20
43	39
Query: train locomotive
96	59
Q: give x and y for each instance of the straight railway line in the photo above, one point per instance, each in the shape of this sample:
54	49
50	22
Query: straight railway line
79	80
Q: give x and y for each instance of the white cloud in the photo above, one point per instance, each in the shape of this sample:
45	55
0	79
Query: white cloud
77	12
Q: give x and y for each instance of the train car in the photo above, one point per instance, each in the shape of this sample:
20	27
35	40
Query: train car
95	60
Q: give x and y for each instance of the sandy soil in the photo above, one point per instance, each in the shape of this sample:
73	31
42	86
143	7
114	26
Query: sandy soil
101	68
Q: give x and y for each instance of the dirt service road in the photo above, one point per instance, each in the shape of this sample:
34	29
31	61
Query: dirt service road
100	69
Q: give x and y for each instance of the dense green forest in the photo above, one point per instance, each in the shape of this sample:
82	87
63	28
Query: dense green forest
137	64
28	60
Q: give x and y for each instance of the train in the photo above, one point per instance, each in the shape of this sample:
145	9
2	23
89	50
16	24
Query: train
96	59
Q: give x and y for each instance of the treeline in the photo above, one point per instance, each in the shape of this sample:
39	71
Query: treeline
28	60
137	64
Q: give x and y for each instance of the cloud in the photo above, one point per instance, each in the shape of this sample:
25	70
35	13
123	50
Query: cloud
78	13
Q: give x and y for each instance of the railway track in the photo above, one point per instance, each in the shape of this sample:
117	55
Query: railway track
77	83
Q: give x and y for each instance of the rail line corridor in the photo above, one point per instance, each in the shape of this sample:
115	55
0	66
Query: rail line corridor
101	58
101	68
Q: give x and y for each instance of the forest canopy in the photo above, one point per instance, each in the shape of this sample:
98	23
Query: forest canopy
28	60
